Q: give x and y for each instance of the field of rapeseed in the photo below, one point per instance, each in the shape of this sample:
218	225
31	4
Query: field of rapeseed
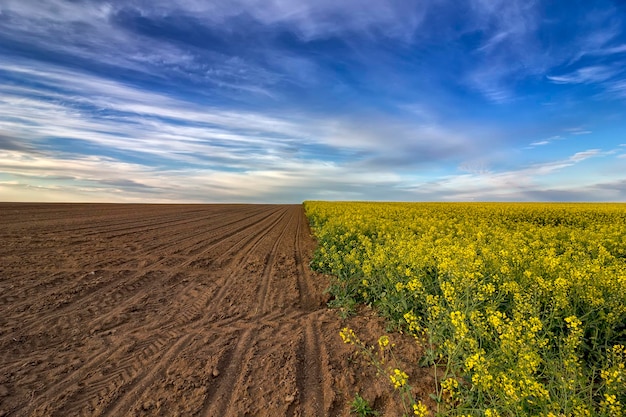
522	307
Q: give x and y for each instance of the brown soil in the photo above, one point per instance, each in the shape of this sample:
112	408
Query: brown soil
198	310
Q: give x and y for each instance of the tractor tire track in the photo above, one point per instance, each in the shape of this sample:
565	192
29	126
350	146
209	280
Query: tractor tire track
134	387
268	268
230	364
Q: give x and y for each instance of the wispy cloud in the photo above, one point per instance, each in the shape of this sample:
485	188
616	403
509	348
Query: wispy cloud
320	19
510	50
515	48
587	75
544	142
602	40
97	134
617	89
524	184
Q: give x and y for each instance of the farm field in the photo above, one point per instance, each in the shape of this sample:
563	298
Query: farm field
521	307
190	310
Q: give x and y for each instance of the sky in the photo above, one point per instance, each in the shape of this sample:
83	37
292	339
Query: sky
280	101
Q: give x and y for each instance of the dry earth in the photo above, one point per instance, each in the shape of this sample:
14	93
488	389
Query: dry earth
194	310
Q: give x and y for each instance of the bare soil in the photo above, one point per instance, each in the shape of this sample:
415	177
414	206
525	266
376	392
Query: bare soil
176	310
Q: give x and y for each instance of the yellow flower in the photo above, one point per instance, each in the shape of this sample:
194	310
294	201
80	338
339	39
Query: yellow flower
413	322
383	341
457	319
420	410
348	336
491	412
573	322
450	387
398	378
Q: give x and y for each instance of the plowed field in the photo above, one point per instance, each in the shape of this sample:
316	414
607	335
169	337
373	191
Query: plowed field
200	310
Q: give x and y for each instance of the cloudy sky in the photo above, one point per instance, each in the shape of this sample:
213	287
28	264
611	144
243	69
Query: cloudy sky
286	100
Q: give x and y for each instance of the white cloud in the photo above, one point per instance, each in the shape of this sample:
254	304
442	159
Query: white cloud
91	34
318	19
117	113
617	88
618	49
196	154
599	42
310	20
74	105
517	184
102	179
581	156
586	75
544	142
511	51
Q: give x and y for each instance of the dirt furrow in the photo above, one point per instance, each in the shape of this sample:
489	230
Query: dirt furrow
214	254
229	365
183	239
151	369
100	285
306	295
241	266
72	380
112	261
268	269
310	373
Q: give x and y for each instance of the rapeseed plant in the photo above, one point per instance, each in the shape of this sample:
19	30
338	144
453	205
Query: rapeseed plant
522	304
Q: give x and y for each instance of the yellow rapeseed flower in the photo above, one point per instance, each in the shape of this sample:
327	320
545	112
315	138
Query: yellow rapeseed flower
420	410
398	378
383	341
348	336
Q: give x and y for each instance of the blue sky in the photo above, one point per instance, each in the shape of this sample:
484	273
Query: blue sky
281	101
